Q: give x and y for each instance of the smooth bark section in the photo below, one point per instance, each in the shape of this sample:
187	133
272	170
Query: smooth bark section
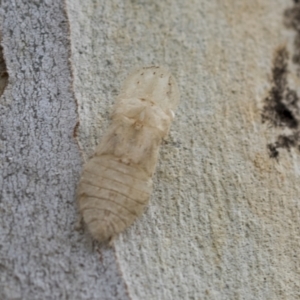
224	219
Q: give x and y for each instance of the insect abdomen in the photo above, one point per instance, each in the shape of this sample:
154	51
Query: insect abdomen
111	195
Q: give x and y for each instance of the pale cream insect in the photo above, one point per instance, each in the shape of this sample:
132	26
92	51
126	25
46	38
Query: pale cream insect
116	182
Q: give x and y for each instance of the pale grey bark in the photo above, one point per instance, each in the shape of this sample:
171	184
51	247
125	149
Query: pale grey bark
41	255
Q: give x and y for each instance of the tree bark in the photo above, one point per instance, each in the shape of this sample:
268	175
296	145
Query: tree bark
223	221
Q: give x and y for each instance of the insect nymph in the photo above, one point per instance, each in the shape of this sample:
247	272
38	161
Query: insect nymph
116	182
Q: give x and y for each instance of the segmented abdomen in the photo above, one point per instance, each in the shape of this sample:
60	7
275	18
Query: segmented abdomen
111	195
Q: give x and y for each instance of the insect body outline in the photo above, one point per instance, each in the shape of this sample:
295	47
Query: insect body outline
116	182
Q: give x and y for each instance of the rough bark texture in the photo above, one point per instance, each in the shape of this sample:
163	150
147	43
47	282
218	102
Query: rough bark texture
41	255
223	221
224	218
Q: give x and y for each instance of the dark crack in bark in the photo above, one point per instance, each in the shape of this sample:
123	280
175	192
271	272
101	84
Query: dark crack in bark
3	70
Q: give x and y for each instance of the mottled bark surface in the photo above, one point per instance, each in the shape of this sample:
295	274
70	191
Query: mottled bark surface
41	255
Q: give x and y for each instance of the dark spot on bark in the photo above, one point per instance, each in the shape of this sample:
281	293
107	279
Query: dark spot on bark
273	152
3	70
287	142
282	105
